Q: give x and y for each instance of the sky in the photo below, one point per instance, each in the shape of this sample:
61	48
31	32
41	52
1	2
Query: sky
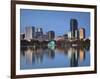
58	21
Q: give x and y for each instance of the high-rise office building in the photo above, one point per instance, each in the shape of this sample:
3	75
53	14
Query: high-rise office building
76	34
73	28
29	32
81	33
38	32
69	35
51	35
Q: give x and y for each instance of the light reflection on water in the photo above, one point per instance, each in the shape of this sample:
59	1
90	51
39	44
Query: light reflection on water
31	58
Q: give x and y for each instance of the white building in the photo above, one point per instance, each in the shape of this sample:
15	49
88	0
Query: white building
69	35
29	33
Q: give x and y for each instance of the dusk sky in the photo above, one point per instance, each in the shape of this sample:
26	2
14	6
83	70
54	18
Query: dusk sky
58	21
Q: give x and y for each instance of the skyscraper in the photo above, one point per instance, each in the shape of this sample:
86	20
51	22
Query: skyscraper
38	32
76	34
69	35
29	32
74	28
51	35
81	33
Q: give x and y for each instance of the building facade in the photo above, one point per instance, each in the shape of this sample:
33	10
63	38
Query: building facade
38	32
73	28
51	35
76	34
81	33
29	33
69	35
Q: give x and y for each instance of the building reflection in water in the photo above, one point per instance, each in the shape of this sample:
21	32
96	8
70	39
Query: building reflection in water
50	53
76	55
28	56
73	56
38	56
32	56
81	55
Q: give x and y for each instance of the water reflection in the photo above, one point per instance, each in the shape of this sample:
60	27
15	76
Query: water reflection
31	57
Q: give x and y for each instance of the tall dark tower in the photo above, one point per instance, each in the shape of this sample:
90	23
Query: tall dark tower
74	28
51	35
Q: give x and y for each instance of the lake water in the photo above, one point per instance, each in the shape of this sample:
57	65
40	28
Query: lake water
31	58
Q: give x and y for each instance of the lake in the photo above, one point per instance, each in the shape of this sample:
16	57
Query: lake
55	57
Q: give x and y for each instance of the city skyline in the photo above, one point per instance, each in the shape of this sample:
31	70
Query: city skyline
48	37
62	20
